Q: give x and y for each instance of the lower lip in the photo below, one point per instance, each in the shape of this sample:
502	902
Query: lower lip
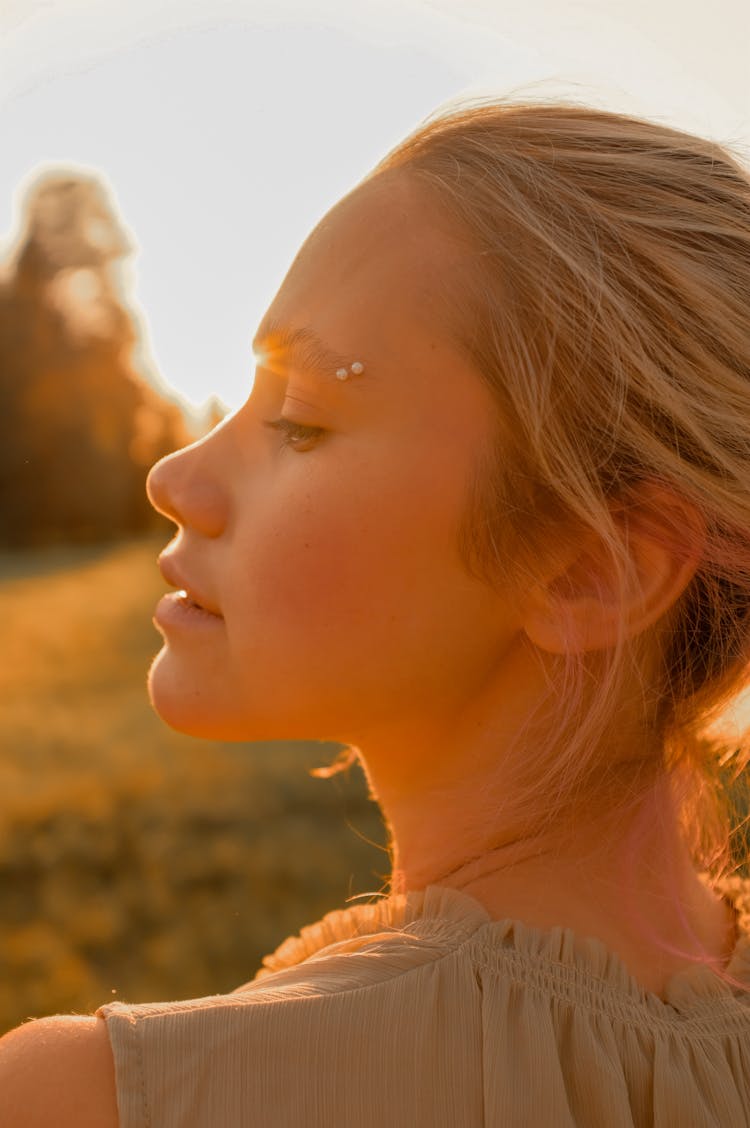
176	610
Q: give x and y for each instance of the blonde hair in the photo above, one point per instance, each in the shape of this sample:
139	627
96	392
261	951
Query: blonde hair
606	302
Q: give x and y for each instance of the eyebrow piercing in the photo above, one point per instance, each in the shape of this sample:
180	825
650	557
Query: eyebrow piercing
344	373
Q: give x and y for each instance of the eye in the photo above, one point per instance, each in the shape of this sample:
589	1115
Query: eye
299	436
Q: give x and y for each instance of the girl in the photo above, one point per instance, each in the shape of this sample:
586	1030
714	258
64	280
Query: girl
485	519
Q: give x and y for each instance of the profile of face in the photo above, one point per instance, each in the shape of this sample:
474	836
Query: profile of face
324	550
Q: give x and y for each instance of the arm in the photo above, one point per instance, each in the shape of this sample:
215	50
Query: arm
58	1071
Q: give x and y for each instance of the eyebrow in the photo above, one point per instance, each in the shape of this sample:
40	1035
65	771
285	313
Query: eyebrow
278	344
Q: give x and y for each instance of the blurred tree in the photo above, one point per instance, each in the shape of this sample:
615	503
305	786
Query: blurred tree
79	427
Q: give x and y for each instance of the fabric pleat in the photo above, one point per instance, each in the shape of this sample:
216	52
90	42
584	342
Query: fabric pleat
421	1010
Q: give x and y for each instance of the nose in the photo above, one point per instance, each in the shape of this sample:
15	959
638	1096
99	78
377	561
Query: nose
183	487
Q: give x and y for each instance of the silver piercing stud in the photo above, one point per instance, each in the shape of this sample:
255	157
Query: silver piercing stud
344	373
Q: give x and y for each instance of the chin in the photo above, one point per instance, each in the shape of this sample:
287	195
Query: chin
193	702
176	703
194	712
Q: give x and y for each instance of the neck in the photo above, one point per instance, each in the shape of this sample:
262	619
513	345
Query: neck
613	875
628	882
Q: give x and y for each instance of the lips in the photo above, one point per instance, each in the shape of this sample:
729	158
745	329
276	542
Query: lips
189	593
190	602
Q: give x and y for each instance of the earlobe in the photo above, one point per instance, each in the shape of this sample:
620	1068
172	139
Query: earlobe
580	607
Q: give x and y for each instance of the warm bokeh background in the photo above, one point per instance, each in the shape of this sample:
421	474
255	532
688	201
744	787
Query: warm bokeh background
161	162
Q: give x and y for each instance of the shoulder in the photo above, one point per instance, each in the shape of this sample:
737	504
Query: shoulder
58	1071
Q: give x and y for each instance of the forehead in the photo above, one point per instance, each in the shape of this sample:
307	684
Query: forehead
374	275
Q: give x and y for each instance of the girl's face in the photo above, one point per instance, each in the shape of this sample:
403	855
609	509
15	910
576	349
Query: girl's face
329	555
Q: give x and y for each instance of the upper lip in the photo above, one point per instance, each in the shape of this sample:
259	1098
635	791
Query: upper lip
173	574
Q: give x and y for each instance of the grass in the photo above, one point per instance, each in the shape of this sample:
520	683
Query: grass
135	862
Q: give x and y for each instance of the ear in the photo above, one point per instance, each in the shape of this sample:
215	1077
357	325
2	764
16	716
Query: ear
578	607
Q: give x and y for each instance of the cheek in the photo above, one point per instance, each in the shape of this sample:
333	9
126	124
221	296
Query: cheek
345	550
311	560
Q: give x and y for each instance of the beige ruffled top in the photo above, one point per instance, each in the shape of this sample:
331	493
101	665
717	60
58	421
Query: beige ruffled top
420	1010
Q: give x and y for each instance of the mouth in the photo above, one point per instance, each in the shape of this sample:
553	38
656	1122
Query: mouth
187	598
192	604
189	604
180	609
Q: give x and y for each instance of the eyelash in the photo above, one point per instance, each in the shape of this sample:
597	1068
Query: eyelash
291	431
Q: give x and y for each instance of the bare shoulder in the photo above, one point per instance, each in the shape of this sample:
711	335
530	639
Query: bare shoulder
58	1071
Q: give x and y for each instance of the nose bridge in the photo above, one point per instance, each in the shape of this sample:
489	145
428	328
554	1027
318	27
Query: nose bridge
186	488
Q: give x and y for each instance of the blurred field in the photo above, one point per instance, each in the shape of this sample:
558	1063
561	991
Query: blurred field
136	863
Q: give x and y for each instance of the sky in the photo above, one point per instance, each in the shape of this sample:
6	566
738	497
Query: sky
224	130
